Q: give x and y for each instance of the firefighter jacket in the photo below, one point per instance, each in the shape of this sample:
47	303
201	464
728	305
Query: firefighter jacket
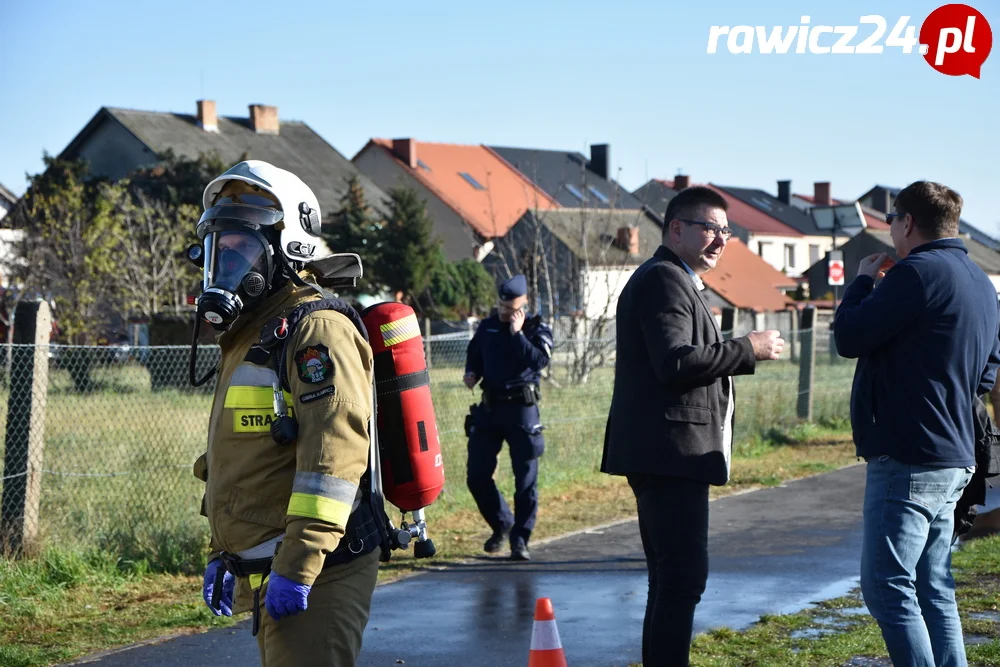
257	490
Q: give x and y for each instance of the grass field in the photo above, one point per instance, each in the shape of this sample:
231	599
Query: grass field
838	631
117	461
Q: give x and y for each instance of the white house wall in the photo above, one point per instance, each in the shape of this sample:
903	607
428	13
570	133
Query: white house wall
792	254
604	286
8	254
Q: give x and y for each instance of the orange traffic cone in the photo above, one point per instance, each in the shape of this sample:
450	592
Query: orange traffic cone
546	649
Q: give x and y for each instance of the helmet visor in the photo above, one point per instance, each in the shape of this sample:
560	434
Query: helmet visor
233	255
231	216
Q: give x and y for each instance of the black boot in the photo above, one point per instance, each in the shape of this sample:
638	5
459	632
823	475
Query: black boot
495	542
518	549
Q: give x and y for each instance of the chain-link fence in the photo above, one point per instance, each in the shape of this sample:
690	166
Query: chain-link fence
101	440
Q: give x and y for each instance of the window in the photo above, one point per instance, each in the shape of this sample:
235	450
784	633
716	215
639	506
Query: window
597	193
423	165
473	182
761	246
573	190
813	254
790	255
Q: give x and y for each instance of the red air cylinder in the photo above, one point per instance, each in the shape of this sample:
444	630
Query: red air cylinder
409	448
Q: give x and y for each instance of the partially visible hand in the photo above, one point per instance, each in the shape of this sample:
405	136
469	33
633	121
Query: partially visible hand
517	321
285	597
871	265
767	345
225	607
470	380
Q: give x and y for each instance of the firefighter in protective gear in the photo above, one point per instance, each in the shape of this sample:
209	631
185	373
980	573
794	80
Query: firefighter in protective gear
289	522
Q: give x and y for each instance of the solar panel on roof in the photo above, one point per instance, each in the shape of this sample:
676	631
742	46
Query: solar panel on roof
597	193
473	182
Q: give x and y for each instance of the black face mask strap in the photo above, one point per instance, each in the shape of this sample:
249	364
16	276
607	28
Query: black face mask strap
288	271
194	357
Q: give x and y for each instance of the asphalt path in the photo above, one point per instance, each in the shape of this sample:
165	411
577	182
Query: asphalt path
772	551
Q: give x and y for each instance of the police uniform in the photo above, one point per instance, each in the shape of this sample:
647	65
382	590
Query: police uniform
294	502
510	366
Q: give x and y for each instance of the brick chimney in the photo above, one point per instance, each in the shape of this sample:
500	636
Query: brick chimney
263	119
681	182
208	119
628	239
821	193
600	159
785	192
406	150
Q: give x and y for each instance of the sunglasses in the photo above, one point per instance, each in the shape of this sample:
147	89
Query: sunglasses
890	216
711	227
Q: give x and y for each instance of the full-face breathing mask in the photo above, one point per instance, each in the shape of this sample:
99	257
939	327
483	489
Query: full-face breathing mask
239	266
237	273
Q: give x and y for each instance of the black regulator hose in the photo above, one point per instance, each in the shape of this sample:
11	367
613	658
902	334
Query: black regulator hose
194	356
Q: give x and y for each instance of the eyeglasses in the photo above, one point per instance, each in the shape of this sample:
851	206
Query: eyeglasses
711	227
890	216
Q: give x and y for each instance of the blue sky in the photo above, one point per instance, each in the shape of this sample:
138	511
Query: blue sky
560	75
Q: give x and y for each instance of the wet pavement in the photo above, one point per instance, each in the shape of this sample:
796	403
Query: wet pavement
772	551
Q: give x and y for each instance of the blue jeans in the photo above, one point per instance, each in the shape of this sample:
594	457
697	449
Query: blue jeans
906	561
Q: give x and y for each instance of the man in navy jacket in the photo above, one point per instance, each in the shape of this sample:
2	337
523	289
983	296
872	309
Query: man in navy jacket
927	340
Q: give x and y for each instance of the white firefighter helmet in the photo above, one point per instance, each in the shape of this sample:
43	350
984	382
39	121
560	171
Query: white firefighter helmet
299	239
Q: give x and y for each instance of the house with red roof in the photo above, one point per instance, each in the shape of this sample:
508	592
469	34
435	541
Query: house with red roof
472	194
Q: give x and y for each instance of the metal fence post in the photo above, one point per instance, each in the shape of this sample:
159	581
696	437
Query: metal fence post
795	334
25	433
807	363
427	341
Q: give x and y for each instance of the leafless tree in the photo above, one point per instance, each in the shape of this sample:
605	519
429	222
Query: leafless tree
150	236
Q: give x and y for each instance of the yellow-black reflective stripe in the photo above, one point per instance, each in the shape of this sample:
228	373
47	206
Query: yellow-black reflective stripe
319	508
251	398
399	330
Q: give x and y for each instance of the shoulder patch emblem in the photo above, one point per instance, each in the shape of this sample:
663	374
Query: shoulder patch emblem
313	363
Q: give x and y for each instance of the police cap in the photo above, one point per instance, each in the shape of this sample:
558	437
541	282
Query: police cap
513	288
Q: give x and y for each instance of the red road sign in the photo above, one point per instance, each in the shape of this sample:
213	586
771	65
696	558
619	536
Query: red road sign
836	272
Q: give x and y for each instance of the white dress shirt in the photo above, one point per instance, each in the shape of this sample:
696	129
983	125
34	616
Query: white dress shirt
727	424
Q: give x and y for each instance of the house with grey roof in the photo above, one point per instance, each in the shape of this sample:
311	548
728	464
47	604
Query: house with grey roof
570	178
577	260
116	142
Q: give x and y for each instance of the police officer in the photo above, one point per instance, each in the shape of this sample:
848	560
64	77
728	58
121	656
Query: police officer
292	536
508	353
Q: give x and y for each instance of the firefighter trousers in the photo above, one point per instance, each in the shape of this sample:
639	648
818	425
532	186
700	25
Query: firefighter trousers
328	633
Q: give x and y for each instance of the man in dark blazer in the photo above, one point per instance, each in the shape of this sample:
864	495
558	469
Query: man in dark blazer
670	427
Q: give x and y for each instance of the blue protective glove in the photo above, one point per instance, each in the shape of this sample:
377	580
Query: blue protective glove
284	596
228	584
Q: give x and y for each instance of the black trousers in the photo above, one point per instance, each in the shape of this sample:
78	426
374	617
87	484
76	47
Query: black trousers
673	524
